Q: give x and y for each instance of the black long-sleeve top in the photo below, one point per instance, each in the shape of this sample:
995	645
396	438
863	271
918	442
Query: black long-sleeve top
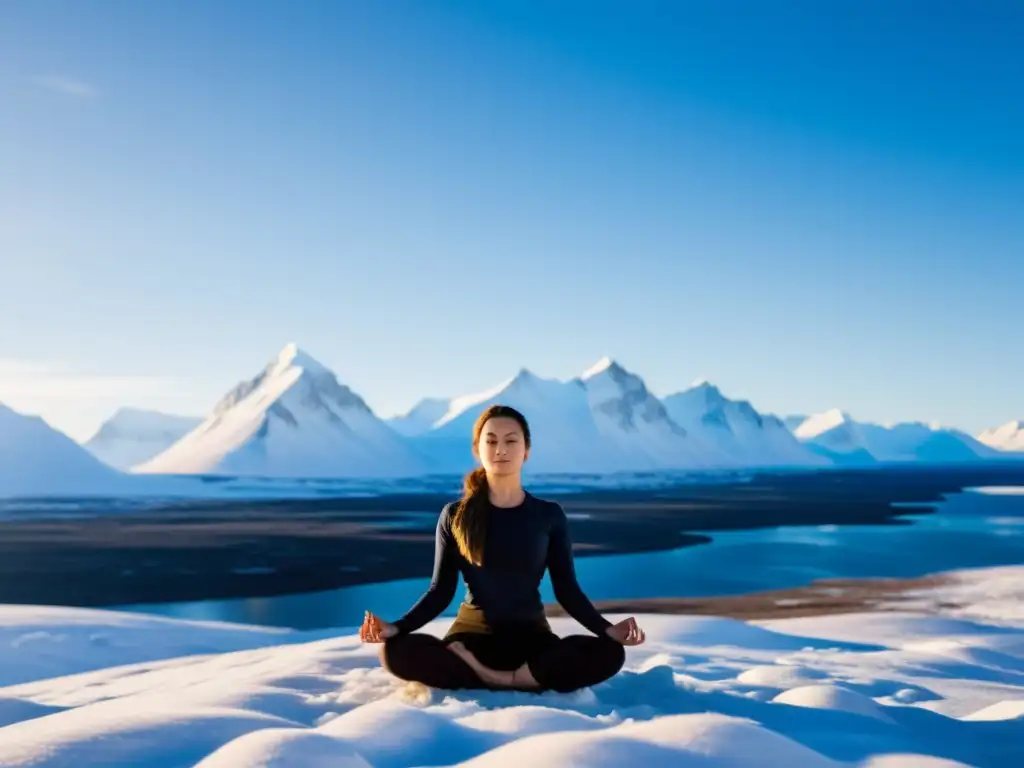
521	543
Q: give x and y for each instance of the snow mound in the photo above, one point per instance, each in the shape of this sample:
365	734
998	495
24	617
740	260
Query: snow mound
684	740
127	731
294	419
15	710
414	735
132	436
38	460
44	641
879	690
778	676
1004	710
897	760
284	748
832	697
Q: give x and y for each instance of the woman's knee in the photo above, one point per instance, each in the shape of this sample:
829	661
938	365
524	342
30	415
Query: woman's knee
591	660
608	655
394	651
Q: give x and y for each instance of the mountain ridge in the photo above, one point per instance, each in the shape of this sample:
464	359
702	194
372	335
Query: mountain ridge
295	416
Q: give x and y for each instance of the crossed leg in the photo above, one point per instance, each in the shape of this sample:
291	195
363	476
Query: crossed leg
426	659
541	662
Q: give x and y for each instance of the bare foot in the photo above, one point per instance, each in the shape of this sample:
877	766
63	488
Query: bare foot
488	676
520	679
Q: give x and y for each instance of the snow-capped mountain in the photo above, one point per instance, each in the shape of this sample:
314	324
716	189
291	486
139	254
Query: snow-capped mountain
1009	437
636	422
565	438
132	436
38	460
421	417
738	431
836	432
605	420
294	419
793	421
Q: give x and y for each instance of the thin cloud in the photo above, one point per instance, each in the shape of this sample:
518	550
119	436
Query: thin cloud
68	87
40	382
76	401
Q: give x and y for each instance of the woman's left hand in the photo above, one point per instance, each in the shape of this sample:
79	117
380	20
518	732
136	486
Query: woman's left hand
627	632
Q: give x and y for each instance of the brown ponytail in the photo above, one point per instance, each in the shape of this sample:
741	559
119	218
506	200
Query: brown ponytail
469	521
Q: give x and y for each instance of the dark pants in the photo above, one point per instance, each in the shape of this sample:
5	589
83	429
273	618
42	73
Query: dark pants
561	664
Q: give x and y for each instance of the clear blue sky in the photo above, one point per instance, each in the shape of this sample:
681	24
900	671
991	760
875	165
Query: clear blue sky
814	205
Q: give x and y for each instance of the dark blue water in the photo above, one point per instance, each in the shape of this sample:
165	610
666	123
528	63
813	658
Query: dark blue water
971	530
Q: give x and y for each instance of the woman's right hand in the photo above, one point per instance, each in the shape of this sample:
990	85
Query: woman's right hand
375	629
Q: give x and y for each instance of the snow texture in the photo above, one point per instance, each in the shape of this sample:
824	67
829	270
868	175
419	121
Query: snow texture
881	690
565	436
38	460
421	417
836	433
606	420
294	419
636	422
737	430
1008	437
132	436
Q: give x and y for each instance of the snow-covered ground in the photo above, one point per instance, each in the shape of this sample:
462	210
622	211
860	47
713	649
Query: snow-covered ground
95	688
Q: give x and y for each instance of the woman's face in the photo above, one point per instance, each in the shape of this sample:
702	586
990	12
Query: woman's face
502	446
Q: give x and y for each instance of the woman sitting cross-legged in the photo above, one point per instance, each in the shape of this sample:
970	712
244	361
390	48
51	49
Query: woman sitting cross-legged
502	538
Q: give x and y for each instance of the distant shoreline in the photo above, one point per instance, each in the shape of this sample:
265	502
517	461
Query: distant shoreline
219	550
824	597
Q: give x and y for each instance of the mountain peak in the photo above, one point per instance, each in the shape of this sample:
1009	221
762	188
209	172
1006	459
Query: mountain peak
523	376
294	419
822	422
1008	437
703	385
837	415
293	356
602	365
